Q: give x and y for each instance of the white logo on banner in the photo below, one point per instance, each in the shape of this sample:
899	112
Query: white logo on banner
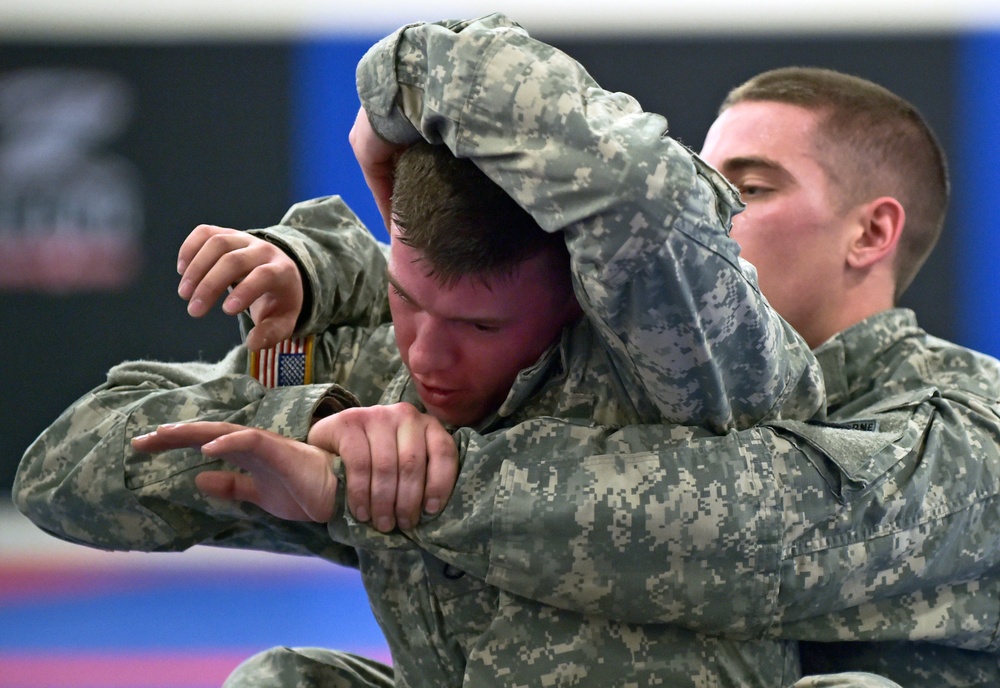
70	211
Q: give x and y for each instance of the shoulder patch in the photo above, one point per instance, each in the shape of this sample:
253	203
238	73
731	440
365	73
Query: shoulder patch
288	363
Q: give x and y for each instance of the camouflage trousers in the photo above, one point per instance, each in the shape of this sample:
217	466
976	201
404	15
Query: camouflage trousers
850	679
311	667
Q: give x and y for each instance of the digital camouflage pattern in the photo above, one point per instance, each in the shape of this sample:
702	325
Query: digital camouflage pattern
876	525
436	615
691	338
666	296
602	370
311	667
676	329
70	480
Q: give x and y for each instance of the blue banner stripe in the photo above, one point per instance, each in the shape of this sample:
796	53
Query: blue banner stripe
976	177
324	105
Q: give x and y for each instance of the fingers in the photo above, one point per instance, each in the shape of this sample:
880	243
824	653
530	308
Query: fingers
179	435
262	276
383	454
368	442
355	455
287	478
269	332
202	280
442	467
239	487
192	244
397	462
376	156
275	311
272	288
411	471
290	479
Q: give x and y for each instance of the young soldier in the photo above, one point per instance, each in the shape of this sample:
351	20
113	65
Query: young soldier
675	331
876	529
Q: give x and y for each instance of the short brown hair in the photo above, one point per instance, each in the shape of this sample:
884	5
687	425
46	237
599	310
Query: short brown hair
459	220
878	144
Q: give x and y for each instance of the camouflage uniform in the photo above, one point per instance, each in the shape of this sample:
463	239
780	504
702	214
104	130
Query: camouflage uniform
878	524
676	330
873	527
872	524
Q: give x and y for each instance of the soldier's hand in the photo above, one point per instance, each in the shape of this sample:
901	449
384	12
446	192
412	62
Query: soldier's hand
397	461
264	278
289	479
377	158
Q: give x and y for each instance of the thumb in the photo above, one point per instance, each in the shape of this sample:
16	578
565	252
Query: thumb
259	338
270	330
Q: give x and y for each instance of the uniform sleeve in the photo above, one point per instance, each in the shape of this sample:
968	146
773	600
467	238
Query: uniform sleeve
803	531
913	551
82	482
342	264
646	221
792	529
343	269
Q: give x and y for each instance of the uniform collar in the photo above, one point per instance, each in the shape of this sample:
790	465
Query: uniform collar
851	359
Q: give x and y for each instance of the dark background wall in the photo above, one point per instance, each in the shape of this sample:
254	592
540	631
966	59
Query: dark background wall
205	138
686	79
231	133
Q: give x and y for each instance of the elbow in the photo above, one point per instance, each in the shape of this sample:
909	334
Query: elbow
32	498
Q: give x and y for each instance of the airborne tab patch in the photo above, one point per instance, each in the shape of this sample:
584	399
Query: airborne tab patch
866	425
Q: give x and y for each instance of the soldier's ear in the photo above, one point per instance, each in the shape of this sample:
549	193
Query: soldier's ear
880	226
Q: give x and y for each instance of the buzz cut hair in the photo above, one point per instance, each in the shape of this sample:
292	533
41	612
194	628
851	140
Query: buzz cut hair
873	143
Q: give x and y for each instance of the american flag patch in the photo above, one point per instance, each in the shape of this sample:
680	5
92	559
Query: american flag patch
289	363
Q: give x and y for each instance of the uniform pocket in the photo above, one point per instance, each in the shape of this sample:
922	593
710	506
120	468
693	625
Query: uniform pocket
853	454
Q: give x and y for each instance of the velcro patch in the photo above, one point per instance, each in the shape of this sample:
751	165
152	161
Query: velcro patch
866	425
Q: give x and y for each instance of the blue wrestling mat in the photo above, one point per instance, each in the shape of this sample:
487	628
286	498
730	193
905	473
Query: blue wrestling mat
77	618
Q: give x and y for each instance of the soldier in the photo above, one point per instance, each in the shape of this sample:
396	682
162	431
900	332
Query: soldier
874	527
674	331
